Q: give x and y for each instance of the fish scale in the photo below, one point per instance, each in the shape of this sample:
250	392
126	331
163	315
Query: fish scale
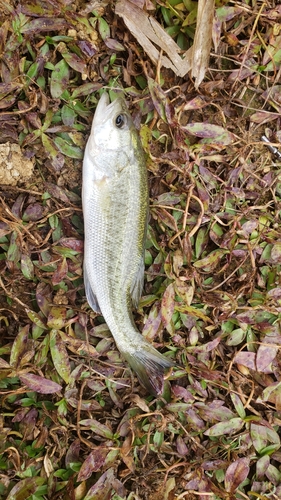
115	207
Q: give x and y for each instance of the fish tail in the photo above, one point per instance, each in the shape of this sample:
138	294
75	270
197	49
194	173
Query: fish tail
150	366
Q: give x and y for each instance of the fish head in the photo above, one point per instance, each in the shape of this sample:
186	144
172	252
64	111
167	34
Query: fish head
112	127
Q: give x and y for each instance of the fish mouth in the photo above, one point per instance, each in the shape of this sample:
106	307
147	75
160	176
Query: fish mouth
105	109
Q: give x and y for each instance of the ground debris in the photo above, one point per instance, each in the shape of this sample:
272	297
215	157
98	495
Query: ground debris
14	167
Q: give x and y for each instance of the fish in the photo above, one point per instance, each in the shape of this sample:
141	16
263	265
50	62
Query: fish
115	202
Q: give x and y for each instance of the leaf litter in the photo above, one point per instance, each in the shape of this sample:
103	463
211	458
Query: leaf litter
75	422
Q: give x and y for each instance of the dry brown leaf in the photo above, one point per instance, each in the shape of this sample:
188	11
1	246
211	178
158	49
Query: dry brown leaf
202	40
147	31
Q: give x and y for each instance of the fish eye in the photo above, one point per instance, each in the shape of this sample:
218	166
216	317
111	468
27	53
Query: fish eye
120	121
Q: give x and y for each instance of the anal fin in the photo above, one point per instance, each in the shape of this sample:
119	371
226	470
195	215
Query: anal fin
91	297
137	284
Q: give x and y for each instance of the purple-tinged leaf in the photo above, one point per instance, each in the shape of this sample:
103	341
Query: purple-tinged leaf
248	69
4	229
208	347
182	393
40	384
262	466
168	305
197	103
194	420
236	473
265	355
44	297
43	24
159	98
25	488
38	9
72	454
89	50
17	206
102	489
75	62
8	101
114	44
94	462
33	212
164	216
86	89
261	117
246	359
203	194
214	464
226	13
210	262
72	243
276	253
258	436
274	293
153	323
272	393
229	427
182	449
273	474
57	192
60	273
205	130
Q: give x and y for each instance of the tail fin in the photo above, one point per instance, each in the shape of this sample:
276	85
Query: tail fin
150	366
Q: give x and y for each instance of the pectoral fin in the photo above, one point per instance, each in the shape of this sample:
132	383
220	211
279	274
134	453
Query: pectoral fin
91	297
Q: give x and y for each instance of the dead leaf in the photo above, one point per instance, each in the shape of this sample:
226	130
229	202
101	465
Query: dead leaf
202	40
148	32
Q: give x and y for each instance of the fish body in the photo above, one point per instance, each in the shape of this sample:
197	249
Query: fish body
115	209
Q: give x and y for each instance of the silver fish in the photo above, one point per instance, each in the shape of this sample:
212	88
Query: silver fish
115	208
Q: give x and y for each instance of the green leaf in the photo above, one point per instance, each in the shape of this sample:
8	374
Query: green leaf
104	29
68	115
59	356
59	79
98	428
68	149
35	318
25	488
19	346
57	317
236	337
27	267
49	146
238	405
13	253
